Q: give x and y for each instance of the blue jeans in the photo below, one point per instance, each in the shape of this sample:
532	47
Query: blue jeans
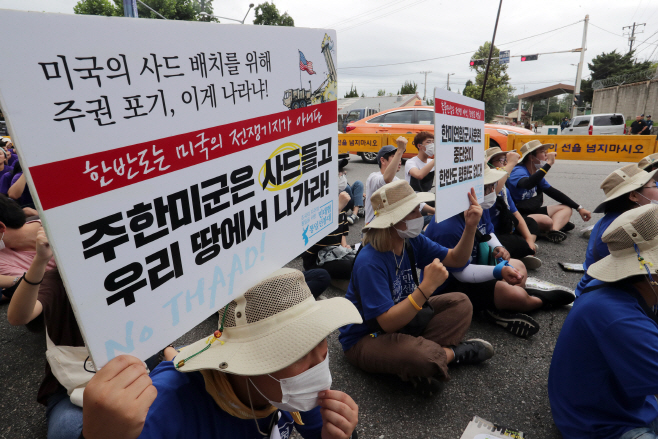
64	417
647	432
356	195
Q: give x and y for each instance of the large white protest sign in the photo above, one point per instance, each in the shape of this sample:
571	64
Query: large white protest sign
459	151
175	164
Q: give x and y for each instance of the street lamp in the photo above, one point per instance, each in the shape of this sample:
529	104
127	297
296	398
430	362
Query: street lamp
205	14
448	83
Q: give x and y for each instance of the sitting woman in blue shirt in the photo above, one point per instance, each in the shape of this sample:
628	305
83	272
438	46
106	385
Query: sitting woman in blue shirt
625	189
527	186
405	331
265	372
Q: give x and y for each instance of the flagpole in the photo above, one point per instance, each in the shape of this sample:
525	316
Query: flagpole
300	71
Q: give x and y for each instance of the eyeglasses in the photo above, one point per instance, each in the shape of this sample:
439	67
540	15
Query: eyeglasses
653	186
502	160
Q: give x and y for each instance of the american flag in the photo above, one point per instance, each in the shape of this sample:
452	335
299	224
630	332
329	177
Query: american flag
305	65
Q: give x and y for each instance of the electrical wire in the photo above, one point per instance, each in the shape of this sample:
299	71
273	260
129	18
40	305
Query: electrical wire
456	54
387	5
352	26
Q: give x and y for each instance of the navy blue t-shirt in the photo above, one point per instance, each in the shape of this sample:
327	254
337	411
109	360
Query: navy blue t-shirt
520	194
596	248
184	409
374	277
494	212
449	231
604	371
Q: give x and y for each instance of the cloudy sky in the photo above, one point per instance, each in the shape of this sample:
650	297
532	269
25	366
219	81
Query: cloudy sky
402	33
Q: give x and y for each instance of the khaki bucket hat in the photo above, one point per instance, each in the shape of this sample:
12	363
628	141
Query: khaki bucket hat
393	201
531	146
623	181
632	241
648	161
492	152
493	175
273	325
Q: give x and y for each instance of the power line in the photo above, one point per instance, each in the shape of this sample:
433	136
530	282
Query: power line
352	26
456	54
360	15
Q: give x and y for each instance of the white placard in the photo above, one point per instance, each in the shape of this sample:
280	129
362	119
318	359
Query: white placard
459	151
174	164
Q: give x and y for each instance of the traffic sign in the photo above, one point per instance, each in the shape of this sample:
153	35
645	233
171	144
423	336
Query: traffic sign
504	57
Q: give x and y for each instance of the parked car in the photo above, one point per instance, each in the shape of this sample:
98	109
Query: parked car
412	120
357	114
595	124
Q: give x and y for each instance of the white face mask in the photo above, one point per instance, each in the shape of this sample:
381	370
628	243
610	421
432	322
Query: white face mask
2	243
300	393
540	165
649	199
489	201
429	150
342	183
414	227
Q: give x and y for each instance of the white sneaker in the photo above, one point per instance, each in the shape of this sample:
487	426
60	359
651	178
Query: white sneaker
531	262
352	219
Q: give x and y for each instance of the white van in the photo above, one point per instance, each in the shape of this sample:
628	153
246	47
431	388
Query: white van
596	124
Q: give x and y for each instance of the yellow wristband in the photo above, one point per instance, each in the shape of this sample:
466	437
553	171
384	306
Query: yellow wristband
542	169
413	302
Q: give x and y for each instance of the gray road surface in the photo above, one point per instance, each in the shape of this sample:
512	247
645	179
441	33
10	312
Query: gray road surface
509	389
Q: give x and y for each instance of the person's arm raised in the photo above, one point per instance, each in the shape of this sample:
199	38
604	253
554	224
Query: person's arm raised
458	257
392	168
24	306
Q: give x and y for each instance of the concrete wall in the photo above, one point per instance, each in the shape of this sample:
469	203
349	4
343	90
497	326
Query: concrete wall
631	100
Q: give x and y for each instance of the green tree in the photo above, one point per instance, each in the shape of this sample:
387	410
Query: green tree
430	101
268	14
352	93
607	65
498	86
97	7
381	92
408	88
555	118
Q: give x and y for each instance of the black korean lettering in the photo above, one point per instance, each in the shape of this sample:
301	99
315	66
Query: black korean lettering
215	196
114	65
91	69
199	64
69	107
156	66
264	60
134	106
167	59
206	243
242	179
102	109
216	63
232	231
309	157
179	209
255	216
232	63
155	101
102	227
252	62
156	279
142	219
325	147
287	161
51	70
269	175
123	278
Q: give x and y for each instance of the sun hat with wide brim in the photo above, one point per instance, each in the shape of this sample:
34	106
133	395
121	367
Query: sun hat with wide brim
493	175
393	201
272	326
634	228
648	161
532	145
490	153
623	181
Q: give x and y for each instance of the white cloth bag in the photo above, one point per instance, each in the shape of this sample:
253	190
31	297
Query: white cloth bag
67	363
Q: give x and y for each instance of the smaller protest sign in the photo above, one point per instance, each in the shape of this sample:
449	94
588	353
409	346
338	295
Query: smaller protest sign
459	153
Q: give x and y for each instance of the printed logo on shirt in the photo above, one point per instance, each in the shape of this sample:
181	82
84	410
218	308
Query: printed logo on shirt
403	285
527	194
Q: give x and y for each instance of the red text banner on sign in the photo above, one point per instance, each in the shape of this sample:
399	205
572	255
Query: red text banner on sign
452	109
105	171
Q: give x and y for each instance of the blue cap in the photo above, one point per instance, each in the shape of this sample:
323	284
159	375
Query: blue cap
385	150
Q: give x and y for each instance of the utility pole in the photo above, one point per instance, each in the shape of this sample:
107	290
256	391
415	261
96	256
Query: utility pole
425	85
493	39
579	74
631	36
518	113
448	81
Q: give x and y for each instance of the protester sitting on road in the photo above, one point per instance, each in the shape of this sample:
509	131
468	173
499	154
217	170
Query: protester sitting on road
516	233
498	293
9	147
625	189
389	159
649	163
419	170
527	186
604	370
41	292
405	331
355	192
17	244
332	252
265	371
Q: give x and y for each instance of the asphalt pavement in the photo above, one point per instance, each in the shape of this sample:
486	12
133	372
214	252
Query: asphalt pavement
509	389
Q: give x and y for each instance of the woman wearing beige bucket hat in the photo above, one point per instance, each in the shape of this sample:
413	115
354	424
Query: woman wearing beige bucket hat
527	186
604	370
265	371
405	331
626	188
649	163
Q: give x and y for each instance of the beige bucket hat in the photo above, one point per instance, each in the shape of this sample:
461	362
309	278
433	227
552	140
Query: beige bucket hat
648	161
493	175
492	152
623	181
636	228
531	146
273	325
393	201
